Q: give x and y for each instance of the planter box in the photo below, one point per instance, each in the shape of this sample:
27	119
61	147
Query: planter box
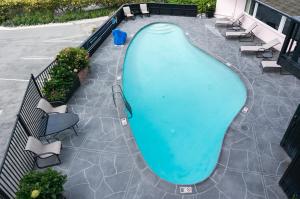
76	85
209	14
83	74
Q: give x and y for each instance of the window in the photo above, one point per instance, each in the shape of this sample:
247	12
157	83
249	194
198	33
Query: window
249	6
268	16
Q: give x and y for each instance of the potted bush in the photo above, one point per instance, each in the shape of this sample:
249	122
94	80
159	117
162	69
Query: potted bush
42	185
76	60
70	71
210	9
62	84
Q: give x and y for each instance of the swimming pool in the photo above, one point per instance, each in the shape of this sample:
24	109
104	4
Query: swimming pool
183	101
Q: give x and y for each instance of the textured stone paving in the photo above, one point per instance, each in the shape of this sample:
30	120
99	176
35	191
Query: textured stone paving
104	161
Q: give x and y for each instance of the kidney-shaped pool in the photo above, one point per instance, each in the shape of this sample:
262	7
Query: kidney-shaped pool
183	101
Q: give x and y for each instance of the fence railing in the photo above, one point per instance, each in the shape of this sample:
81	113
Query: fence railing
289	57
30	121
17	161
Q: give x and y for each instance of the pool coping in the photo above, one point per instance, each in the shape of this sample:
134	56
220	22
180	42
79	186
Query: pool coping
139	159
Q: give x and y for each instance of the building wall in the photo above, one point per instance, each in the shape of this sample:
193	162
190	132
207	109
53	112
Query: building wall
229	8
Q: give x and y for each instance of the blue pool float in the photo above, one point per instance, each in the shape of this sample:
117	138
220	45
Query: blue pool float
119	37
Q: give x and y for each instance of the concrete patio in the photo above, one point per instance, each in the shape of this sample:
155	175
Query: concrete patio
104	161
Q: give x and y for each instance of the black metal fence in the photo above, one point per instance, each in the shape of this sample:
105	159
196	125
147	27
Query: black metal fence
290	181
18	162
291	178
30	120
291	139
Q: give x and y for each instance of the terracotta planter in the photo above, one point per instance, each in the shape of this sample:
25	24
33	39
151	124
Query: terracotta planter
83	74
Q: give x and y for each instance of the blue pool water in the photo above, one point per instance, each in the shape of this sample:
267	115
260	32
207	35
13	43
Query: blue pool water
183	101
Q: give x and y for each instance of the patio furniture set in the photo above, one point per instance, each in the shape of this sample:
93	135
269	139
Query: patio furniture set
264	51
58	120
131	15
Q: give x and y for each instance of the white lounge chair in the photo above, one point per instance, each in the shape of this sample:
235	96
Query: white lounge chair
260	48
270	66
127	12
247	33
45	106
230	21
43	151
144	9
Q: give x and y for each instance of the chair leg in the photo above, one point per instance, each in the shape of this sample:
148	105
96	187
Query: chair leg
74	130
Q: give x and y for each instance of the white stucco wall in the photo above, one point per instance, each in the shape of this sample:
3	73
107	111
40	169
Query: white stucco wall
229	8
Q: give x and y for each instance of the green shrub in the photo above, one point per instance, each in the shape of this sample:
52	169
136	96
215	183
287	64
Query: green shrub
202	4
61	83
75	59
42	185
63	76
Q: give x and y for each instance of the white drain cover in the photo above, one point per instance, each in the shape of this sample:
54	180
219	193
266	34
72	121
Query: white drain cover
124	121
245	109
186	190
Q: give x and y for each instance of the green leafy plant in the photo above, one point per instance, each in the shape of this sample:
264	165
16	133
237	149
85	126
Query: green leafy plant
75	59
61	83
202	4
47	184
63	76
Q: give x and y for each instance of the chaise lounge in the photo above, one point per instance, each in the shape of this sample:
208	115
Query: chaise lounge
230	21
144	9
127	12
260	48
243	34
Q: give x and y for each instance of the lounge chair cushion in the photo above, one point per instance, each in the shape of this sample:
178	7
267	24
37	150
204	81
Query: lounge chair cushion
48	108
144	9
243	33
266	46
35	146
127	11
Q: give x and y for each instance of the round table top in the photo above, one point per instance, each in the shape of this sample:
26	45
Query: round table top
58	122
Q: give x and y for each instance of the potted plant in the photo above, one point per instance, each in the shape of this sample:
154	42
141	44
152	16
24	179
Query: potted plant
61	85
70	71
76	60
42	185
210	9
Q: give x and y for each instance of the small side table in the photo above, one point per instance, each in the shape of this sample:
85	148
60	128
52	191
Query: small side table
59	122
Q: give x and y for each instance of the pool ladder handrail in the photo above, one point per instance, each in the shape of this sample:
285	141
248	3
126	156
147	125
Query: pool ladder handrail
120	92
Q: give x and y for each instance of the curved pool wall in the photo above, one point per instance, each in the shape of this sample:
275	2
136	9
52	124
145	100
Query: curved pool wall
183	101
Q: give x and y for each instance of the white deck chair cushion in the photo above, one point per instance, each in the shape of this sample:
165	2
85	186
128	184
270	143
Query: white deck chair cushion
35	146
247	31
144	8
127	11
48	108
266	46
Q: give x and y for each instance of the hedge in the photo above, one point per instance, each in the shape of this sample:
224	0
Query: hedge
202	4
10	9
